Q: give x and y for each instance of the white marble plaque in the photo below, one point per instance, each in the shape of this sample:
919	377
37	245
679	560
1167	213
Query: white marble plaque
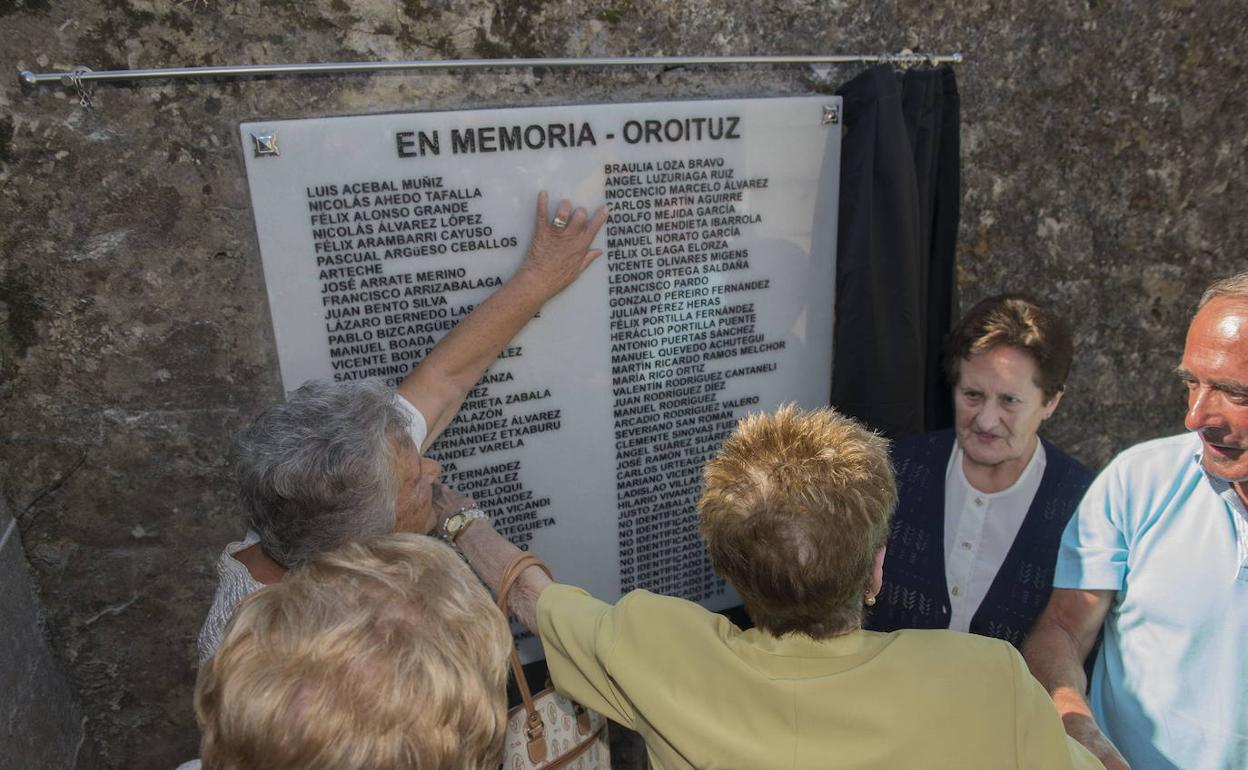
585	440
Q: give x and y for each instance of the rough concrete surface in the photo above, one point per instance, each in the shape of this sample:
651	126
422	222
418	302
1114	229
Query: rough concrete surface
1104	166
41	723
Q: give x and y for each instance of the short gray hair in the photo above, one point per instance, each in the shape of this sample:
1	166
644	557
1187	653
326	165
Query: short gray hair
1234	286
318	470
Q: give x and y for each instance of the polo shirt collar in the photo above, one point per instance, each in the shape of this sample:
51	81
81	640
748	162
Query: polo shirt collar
1222	487
1235	505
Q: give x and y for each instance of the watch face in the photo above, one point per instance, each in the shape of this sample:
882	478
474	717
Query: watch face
455	524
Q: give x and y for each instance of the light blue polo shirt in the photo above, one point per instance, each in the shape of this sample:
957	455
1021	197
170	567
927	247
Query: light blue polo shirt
1170	686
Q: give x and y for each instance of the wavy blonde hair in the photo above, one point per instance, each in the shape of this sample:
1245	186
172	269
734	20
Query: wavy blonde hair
795	508
381	655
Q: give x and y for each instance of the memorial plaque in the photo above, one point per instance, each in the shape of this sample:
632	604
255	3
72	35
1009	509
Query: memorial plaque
585	440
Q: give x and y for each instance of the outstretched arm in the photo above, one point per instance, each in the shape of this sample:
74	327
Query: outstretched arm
1055	651
489	553
556	257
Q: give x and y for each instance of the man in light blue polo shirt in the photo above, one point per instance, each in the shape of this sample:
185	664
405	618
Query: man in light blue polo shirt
1157	555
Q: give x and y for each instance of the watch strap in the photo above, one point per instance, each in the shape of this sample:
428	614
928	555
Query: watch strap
466	515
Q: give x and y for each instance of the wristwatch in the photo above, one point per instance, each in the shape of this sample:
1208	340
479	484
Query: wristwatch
457	522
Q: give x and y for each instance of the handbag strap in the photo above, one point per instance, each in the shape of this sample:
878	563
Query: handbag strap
513	572
534	728
576	751
510	575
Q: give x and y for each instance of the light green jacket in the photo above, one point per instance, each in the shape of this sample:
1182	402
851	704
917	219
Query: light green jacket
704	694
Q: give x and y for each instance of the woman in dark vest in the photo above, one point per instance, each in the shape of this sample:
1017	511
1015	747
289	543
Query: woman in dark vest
982	507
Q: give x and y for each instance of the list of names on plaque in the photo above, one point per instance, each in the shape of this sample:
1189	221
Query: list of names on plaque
682	300
380	318
498	418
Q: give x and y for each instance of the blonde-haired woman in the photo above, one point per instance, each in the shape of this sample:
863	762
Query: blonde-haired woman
387	654
795	515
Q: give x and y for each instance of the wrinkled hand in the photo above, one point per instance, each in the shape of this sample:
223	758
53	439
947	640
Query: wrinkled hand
1084	729
447	502
558	255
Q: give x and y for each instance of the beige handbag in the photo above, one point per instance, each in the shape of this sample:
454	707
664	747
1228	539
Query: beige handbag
548	731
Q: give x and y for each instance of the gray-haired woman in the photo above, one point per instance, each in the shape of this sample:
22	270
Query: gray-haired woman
340	461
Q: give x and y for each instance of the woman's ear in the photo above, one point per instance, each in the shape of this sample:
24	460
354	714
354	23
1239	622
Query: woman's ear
1051	407
877	572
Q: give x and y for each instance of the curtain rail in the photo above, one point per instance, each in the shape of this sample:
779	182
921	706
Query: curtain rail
83	76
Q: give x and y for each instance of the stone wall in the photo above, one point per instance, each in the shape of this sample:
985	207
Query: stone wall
41	724
1104	159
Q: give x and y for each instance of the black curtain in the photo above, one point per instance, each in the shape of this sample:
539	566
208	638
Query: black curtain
898	221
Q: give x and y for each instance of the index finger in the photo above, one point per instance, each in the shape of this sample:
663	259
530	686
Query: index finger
543	205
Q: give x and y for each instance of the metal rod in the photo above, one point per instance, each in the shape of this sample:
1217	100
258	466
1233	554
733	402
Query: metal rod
84	75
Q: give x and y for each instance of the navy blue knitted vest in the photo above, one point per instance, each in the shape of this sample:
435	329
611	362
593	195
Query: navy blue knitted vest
915	594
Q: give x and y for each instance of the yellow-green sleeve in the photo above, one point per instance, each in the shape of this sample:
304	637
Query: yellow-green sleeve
578	633
1041	740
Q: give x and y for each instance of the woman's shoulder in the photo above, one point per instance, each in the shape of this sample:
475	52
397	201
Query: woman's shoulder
985	673
945	640
954	651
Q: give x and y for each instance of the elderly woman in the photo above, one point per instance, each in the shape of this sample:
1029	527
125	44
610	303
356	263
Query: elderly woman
382	655
795	515
339	461
982	507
